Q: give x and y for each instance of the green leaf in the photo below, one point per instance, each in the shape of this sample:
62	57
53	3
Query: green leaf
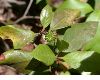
80	34
64	18
62	45
94	16
19	37
91	64
46	16
37	66
95	43
37	1
85	8
17	58
74	59
44	54
21	67
97	4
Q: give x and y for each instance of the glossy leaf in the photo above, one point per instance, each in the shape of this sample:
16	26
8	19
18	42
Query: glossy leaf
17	58
79	34
74	59
97	4
77	4
62	45
46	16
44	54
37	66
21	67
64	18
95	43
37	1
19	37
94	16
91	64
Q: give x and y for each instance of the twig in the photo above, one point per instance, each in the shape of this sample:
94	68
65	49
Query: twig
28	8
3	22
36	17
22	18
65	65
25	13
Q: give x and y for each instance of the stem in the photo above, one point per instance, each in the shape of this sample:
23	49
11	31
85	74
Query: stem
28	8
65	65
60	58
25	13
22	18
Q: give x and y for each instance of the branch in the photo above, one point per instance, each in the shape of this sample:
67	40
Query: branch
22	18
28	7
25	13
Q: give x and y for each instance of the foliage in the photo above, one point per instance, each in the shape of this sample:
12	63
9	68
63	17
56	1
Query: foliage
59	37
